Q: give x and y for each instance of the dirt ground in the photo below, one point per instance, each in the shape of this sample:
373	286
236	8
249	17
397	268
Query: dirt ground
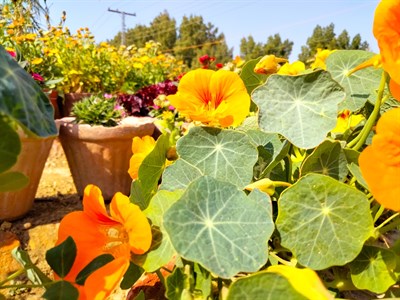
37	231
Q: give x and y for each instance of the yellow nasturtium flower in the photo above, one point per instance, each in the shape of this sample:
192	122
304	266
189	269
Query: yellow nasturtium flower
141	147
215	98
320	58
292	69
304	281
346	121
269	64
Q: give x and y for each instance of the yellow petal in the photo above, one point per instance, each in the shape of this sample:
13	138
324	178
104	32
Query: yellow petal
134	221
265	185
305	281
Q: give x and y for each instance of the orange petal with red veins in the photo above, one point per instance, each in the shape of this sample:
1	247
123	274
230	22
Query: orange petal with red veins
134	221
93	204
102	282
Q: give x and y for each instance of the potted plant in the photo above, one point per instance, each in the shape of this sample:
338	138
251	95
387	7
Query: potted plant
27	131
97	142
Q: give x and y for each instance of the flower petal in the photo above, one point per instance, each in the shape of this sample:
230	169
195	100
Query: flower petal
386	30
87	237
102	282
394	89
93	204
380	162
134	221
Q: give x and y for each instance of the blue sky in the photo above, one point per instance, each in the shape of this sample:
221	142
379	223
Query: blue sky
292	19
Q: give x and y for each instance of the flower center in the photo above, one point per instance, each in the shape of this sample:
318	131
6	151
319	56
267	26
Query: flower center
117	243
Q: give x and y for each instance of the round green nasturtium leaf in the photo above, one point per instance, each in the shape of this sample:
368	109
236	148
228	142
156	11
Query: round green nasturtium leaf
224	154
179	175
323	222
263	285
373	269
302	108
359	86
219	227
327	159
249	77
161	250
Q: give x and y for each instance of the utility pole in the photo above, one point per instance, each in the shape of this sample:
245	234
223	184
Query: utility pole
123	13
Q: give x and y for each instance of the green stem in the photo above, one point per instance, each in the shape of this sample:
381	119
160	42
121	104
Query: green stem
386	226
281	260
161	277
378	213
372	118
20	286
13	276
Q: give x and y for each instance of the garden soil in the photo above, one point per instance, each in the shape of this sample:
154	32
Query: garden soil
37	231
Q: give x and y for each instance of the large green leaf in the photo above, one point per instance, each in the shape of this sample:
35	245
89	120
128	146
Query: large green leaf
161	250
179	175
61	257
224	154
323	222
249	77
327	159
144	188
302	108
13	181
10	146
61	290
373	269
361	85
22	98
218	226
263	286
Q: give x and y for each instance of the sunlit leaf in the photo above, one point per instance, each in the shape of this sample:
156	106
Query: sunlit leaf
359	86
218	226
373	269
161	251
263	285
224	154
323	222
249	77
302	108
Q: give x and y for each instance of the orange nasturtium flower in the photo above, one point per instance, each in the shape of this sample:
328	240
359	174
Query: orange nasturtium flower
215	98
387	32
269	64
380	162
141	147
95	232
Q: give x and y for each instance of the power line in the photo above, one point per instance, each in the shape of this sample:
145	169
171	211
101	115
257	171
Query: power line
123	13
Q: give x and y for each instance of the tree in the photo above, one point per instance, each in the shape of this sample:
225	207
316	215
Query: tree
163	30
278	48
197	38
325	38
249	49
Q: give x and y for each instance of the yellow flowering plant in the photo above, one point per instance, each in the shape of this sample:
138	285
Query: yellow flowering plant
296	200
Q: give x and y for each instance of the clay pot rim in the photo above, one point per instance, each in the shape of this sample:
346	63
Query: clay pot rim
129	128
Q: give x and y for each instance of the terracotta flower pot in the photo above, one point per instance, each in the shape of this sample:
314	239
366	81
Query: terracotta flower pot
31	161
54	100
100	155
